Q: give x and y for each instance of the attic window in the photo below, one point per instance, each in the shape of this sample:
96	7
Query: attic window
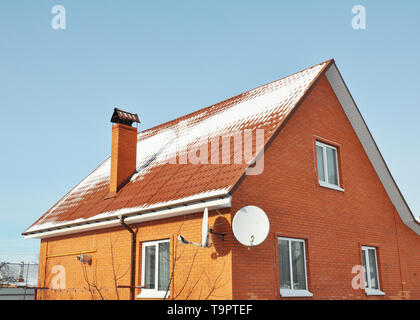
327	160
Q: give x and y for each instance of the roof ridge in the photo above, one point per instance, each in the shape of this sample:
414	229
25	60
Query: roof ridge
308	89
188	115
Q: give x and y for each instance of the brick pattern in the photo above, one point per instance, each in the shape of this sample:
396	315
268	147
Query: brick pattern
123	155
208	278
334	224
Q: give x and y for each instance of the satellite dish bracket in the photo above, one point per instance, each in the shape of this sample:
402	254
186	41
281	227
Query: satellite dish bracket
218	234
185	241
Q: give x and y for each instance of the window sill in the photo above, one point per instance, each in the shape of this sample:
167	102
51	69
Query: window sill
152	294
330	186
295	293
373	292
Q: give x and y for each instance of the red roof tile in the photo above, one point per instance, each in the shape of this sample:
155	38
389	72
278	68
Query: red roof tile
160	182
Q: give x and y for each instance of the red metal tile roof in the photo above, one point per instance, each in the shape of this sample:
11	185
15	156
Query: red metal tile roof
160	182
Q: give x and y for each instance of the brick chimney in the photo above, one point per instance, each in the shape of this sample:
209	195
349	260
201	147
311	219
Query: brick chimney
123	150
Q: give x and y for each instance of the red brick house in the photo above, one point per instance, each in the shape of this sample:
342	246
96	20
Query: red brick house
315	170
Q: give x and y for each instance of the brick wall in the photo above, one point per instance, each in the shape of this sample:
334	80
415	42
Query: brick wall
210	275
334	224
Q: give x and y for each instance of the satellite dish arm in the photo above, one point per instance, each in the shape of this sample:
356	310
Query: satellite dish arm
185	241
218	234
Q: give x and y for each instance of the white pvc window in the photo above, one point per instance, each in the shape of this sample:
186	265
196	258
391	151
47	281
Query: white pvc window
155	269
327	160
292	265
370	264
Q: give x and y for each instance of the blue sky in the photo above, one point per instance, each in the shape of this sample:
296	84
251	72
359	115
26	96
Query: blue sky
163	59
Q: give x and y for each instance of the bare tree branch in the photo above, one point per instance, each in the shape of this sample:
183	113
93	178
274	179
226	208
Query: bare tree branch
92	284
214	287
174	262
193	286
115	272
188	275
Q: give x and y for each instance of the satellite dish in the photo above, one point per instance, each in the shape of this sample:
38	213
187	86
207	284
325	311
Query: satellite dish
204	232
250	226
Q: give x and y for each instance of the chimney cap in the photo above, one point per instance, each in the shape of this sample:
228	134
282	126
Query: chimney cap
124	117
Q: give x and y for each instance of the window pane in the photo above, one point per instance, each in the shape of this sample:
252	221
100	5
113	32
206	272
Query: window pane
299	277
373	273
320	159
284	264
163	276
365	266
150	265
332	166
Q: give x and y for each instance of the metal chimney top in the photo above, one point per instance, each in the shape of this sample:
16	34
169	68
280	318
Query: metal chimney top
124	117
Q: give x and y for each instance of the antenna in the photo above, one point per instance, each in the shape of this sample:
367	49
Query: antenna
185	241
250	226
204	232
205	229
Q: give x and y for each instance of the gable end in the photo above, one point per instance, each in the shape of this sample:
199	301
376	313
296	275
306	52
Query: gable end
362	131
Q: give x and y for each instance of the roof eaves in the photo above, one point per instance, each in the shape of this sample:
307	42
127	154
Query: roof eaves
135	215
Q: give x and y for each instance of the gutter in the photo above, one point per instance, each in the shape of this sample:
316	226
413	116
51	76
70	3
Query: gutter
135	216
133	257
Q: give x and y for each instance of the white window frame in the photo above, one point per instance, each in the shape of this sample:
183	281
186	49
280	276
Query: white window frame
326	183
294	292
152	293
368	289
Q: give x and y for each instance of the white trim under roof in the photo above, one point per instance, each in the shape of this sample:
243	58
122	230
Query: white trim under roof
138	216
370	147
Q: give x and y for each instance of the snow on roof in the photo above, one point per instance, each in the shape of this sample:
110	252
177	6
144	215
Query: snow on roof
160	182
